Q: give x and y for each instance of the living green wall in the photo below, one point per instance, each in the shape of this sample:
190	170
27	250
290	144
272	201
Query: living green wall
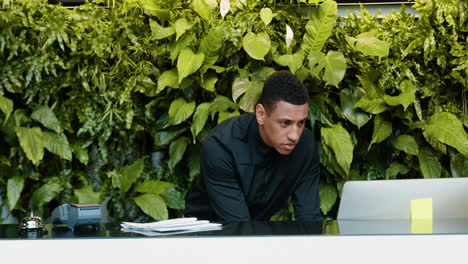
109	103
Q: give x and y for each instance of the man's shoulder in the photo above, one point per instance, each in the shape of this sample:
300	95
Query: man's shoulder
232	129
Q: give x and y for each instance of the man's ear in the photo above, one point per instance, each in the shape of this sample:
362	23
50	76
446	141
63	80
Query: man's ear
260	113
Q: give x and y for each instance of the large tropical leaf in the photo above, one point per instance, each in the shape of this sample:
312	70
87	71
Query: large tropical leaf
188	63
181	26
372	106
330	68
369	83
86	194
32	142
57	144
406	143
348	99
369	44
81	152
15	186
153	205
174	199
176	151
266	15
179	111
160	32
154	187
293	61
46	117
328	195
199	118
168	78
45	194
428	163
448	129
6	106
225	115
320	27
211	44
164	137
459	165
203	9
405	98
339	140
382	130
221	104
251	96
395	169
209	81
240	86
257	46
129	174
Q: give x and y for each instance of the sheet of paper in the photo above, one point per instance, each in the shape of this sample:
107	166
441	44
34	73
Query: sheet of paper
170	226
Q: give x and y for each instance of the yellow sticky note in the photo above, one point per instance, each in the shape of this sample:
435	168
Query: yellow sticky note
421	216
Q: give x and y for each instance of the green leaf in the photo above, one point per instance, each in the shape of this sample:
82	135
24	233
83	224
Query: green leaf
153	205
257	46
81	152
188	63
405	98
57	144
406	143
6	106
448	129
373	106
164	137
369	45
168	78
174	199
199	118
339	140
179	111
15	186
45	194
320	27
293	61
369	83
32	143
46	117
221	104
330	68
328	195
88	195
129	174
181	26
266	15
348	100
176	151
209	82
211	44
154	187
395	169
239	86
225	115
202	9
459	165
160	32
250	98
382	130
428	163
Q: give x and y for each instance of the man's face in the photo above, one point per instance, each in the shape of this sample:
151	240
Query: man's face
282	126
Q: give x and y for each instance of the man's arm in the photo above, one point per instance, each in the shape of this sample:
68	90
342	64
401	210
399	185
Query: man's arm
306	195
224	192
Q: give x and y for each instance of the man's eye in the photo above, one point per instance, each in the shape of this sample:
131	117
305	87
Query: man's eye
285	123
301	123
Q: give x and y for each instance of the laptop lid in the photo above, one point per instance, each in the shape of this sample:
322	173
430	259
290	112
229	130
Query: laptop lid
391	199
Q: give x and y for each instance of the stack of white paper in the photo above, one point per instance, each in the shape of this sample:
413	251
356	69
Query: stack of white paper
170	227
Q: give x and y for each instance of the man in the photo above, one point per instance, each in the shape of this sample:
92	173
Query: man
251	164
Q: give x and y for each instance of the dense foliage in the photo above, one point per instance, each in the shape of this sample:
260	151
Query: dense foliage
109	103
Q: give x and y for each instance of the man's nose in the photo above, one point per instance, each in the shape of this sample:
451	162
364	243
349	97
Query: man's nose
294	134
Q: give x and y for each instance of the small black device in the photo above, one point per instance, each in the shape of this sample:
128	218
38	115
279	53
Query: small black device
74	215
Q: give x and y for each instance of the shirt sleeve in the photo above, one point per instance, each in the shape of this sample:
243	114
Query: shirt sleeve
306	195
224	192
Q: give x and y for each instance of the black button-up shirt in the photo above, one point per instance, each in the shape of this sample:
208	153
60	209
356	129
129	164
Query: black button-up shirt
243	179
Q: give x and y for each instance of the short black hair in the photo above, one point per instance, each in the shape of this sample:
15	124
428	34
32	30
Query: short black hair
283	86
